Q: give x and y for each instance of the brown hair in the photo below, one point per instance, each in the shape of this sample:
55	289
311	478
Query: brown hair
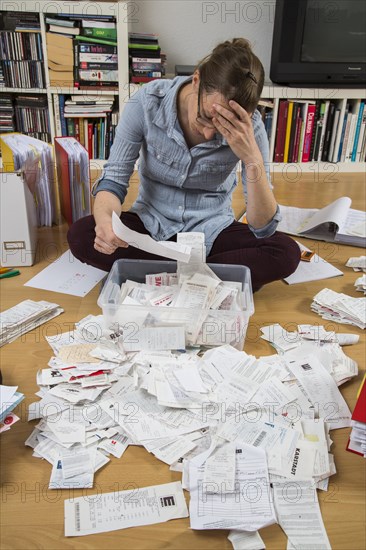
235	71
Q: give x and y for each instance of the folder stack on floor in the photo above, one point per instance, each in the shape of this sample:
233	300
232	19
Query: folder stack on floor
72	163
34	158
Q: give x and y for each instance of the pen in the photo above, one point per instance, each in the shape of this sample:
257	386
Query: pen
5	269
9	274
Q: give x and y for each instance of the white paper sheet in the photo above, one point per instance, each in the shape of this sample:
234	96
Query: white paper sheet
299	515
248	508
167	249
122	509
316	269
67	275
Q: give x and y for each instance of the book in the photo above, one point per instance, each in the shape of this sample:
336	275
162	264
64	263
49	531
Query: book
315	127
98	24
334	134
99	75
93	66
338	154
96	48
137	79
358	130
294	126
361	138
64	30
281	131
357	440
60	22
72	165
96	40
288	131
327	133
324	121
308	132
336	222
107	34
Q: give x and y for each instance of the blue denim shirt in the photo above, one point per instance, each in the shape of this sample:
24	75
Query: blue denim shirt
181	188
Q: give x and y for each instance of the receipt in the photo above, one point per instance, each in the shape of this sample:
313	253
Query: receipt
122	509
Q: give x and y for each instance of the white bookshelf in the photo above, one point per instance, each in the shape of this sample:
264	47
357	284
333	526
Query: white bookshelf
277	92
117	8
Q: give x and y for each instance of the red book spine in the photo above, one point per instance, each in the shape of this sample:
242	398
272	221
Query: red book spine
281	131
90	139
309	125
137	79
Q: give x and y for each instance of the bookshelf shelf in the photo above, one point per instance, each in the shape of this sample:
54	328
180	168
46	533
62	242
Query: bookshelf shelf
23	90
315	129
83	9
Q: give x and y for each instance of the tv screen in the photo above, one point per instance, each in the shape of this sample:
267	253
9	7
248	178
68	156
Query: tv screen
319	42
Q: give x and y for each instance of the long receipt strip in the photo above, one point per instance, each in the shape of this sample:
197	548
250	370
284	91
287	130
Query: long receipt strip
119	510
166	249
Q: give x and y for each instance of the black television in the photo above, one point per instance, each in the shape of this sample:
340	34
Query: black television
319	42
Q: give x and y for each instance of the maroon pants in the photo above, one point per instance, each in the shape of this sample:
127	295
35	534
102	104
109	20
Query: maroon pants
269	259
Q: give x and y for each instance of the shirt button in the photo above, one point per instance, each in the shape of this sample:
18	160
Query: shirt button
180	207
158	157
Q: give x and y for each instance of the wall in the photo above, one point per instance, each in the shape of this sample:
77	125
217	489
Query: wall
188	30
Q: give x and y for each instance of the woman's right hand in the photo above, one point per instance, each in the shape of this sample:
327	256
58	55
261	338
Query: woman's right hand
105	240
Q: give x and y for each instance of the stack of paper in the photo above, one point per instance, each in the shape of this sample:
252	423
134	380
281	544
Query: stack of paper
357	440
340	308
357	263
9	399
315	339
231	423
360	284
34	158
24	317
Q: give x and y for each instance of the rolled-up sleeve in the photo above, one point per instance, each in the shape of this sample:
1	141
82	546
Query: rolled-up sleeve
124	152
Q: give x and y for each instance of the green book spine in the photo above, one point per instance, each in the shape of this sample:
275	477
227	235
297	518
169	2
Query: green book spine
106	34
143	46
95	40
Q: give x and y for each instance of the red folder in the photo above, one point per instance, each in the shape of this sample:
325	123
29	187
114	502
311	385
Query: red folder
63	177
359	413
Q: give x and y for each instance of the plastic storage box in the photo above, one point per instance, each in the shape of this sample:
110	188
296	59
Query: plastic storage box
218	327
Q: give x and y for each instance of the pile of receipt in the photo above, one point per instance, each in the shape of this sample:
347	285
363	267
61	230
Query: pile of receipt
249	435
339	307
25	316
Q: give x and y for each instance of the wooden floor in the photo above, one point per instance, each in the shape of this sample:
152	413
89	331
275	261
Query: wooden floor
32	516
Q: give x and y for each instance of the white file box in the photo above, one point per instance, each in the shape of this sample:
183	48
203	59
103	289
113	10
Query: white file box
18	221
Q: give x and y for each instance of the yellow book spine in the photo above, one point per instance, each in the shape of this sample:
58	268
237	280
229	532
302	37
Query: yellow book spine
288	131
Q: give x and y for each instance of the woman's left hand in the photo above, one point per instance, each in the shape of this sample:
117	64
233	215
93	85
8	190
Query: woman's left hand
236	127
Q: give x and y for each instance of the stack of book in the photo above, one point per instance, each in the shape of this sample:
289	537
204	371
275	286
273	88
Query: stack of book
91	120
316	131
31	114
6	114
146	60
95	64
60	59
357	440
90	47
62	25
